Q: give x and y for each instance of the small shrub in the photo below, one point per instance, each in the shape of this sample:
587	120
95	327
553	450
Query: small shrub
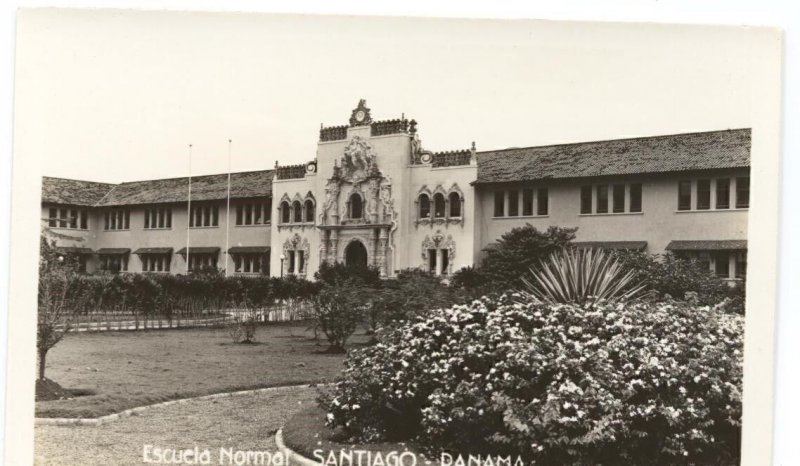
243	328
636	383
580	276
339	309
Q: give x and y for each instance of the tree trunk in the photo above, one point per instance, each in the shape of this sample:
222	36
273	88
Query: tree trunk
42	358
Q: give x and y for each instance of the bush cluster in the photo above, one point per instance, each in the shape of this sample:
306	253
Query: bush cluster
680	278
636	383
157	294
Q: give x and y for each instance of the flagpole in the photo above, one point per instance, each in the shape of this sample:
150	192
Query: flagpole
228	210
189	210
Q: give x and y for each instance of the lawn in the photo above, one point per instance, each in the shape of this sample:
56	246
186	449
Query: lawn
122	370
241	423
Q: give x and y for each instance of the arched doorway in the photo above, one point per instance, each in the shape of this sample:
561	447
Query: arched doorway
355	254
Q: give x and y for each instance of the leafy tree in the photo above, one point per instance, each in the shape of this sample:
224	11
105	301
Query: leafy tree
517	251
339	308
58	298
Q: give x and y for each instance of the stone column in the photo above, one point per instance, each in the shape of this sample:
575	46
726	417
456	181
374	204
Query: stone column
383	242
373	245
334	247
439	261
323	247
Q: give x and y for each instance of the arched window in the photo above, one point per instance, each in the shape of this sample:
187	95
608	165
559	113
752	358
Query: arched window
455	205
438	205
424	206
310	211
297	207
286	212
356	207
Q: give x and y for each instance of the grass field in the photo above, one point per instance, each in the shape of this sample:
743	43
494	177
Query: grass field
129	369
241	423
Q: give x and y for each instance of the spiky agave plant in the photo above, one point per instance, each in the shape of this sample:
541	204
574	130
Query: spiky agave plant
580	276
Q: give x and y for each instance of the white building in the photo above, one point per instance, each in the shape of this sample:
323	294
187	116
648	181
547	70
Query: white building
375	196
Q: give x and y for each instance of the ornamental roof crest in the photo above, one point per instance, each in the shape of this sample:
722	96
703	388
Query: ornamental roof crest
359	162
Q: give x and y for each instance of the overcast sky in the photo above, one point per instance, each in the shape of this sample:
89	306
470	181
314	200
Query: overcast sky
117	96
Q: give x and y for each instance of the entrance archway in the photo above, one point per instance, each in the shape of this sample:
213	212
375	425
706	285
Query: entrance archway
355	254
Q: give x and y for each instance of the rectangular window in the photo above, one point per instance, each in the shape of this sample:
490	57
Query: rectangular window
542	201
204	216
62	218
618	198
114	263
432	261
73	218
202	262
68	218
741	264
685	195
154	263
527	202
636	197
743	192
499	203
602	199
703	194
513	203
721	265
253	213
117	219
586	199
157	218
248	214
723	193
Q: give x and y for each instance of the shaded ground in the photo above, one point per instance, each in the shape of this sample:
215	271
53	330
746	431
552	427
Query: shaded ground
129	369
242	423
305	432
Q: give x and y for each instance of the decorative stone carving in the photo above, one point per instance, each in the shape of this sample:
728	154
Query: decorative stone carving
436	242
297	243
359	161
361	114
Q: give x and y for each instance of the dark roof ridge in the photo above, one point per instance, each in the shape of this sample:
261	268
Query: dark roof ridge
82	181
194	176
597	141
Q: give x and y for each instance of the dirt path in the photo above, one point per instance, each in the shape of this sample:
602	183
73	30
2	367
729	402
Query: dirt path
237	423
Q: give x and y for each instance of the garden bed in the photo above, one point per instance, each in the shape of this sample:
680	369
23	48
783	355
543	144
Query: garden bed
306	434
130	369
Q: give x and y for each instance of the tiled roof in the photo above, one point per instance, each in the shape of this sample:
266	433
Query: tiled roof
248	249
73	192
153	251
73	250
102	251
204	188
634	245
199	250
657	154
708	245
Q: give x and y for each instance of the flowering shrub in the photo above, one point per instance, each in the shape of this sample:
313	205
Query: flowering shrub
637	383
